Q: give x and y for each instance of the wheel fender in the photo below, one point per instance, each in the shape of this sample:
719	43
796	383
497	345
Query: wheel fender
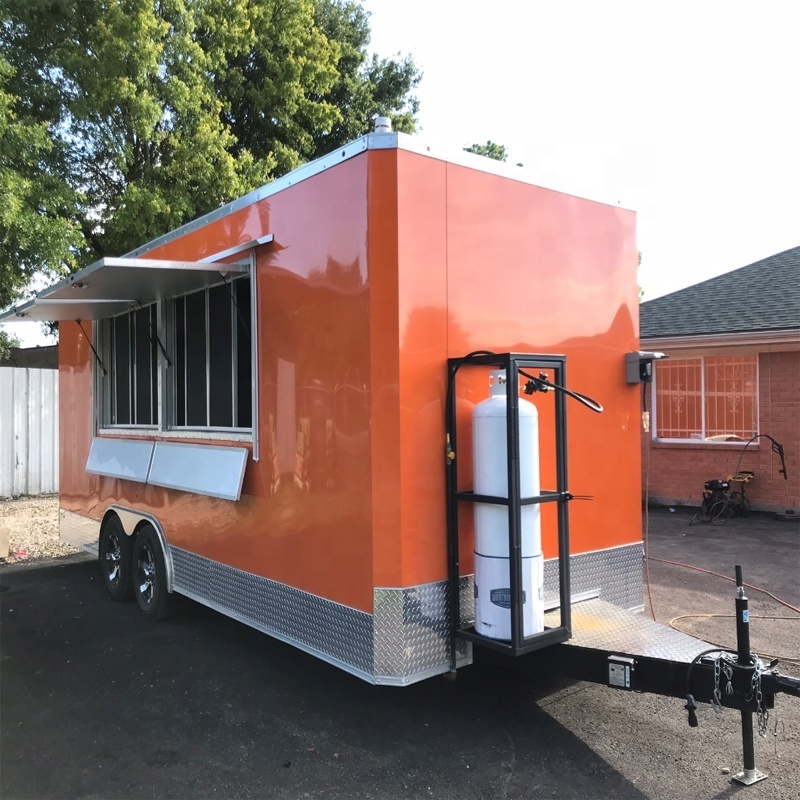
132	519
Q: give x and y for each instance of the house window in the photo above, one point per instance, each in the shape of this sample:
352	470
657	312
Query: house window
130	385
211	332
713	398
206	335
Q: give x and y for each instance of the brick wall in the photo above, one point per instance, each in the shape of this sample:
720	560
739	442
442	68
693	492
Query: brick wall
677	471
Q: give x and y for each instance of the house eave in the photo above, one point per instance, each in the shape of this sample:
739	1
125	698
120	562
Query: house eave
789	336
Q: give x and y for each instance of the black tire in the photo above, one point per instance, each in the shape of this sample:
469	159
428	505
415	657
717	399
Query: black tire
704	514
149	574
115	551
721	511
742	504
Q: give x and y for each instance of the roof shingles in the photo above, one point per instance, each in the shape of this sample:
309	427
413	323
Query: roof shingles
764	296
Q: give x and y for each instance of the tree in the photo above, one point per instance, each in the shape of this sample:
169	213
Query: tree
7	341
490	150
148	114
35	207
366	86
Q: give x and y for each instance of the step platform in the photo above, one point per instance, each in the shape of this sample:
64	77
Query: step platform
600	625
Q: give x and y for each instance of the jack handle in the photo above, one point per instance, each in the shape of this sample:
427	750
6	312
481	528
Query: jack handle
691	708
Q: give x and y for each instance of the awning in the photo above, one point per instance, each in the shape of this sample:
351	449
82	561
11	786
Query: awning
112	285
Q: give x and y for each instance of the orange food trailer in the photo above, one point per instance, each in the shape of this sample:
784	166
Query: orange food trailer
262	391
335	410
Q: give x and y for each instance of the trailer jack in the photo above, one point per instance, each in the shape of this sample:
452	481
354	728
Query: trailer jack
627	651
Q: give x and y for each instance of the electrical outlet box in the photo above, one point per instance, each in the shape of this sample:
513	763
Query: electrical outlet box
639	366
621	672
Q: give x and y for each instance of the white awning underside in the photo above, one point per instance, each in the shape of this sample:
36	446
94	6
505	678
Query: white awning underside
113	285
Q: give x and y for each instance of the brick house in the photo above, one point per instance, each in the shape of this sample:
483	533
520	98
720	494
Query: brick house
733	372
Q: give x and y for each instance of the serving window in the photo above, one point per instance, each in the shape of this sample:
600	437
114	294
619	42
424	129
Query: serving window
194	353
212	330
129	386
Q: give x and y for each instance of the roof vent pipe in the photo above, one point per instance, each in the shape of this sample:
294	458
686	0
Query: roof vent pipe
383	124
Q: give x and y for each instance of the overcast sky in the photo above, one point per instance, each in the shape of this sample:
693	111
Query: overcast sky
687	112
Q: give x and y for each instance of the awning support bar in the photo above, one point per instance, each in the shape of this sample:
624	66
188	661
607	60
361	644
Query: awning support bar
239	314
99	360
154	333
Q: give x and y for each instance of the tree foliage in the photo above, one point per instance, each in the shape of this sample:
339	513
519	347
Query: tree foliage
490	150
7	341
35	207
128	118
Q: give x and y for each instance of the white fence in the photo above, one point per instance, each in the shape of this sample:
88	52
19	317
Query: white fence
28	431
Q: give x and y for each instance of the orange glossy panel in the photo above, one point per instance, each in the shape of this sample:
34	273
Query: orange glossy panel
551	273
513	267
304	518
422	305
77	488
388	536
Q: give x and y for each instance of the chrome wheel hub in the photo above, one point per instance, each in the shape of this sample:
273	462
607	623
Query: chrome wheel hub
113	558
147	574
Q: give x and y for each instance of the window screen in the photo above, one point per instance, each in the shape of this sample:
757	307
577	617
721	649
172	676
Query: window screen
130	386
210	354
211	335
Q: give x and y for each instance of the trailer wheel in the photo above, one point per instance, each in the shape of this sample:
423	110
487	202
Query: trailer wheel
149	574
115	550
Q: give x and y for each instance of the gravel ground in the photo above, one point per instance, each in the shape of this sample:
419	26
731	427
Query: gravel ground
31	524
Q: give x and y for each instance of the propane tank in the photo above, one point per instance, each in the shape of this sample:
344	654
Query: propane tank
490	477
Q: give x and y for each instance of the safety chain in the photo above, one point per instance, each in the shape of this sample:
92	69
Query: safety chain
717	697
724	666
762	712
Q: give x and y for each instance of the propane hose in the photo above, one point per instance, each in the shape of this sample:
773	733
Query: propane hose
542	384
533	384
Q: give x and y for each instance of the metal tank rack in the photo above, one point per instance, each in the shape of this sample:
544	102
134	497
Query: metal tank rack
519	644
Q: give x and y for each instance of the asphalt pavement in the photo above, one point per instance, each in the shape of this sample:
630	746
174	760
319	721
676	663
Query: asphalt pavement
97	702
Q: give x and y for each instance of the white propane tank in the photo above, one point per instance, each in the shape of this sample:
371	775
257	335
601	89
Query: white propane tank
490	477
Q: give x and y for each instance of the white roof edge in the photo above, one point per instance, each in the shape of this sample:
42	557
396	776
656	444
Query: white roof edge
463	158
372	141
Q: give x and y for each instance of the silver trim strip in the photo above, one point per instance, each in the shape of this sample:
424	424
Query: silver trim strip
405	640
254	418
335	633
290	179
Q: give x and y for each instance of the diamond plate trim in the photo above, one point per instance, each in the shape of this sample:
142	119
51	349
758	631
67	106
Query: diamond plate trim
79	531
615	574
412	640
335	633
599	625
